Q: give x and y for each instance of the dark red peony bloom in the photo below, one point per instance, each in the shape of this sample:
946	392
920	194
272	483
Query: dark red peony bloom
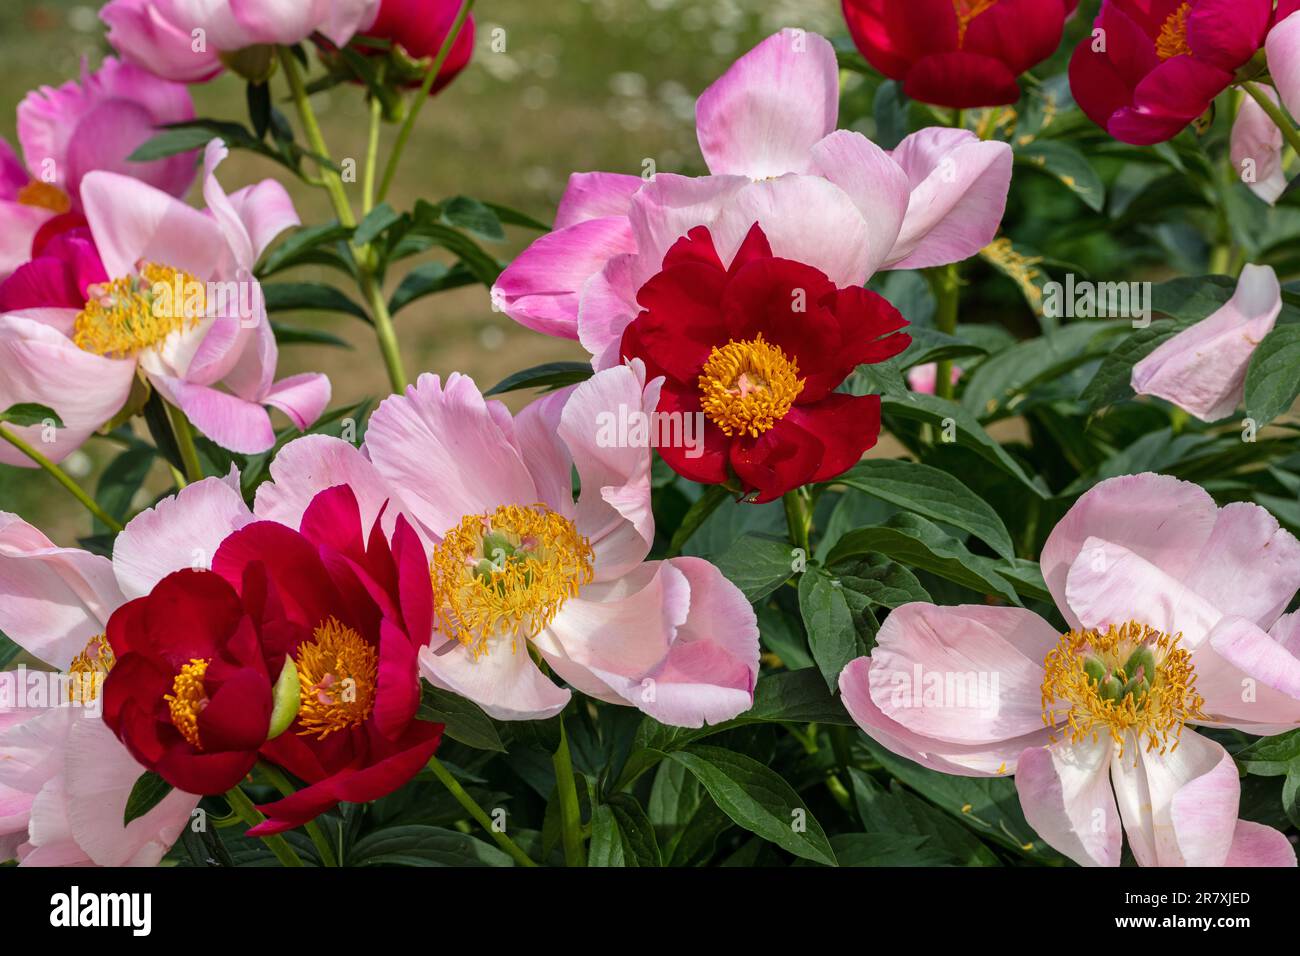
420	27
191	695
957	53
1150	67
64	265
758	349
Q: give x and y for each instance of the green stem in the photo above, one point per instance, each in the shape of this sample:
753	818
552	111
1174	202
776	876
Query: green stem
385	333
945	283
575	851
318	838
798	517
277	844
1274	113
62	478
404	134
184	433
372	155
480	816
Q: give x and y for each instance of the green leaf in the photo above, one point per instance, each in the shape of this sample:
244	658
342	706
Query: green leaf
1026	577
149	791
170	142
1069	166
1112	381
930	493
513	217
550	376
916	542
1273	376
832	636
8	650
292	335
376	221
896	811
429	278
122	478
929	345
313	296
300	244
463	719
30	413
425	846
881	581
939	413
758	799
622	835
474	217
757	564
886	849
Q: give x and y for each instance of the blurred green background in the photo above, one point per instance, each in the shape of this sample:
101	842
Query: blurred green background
580	85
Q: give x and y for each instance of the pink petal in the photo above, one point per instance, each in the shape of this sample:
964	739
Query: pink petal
18	227
301	397
504	682
289	21
1065	793
613	510
1179	808
605	309
230	421
1254	844
181	531
537	432
1203	368
1159	518
959	189
876	184
596	196
139	30
1283	50
1249	566
540	288
443	447
763	115
1256	149
266	210
1249	680
670	206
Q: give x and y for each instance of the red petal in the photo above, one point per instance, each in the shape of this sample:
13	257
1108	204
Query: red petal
962	81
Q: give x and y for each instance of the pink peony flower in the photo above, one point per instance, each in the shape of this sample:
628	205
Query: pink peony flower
1174	609
165	291
521	569
829	198
184	40
1202	369
68	131
64	777
1282	48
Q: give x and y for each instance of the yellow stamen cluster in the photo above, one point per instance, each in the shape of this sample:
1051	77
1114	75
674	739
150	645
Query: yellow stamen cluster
968	10
1172	41
43	195
338	673
747	387
88	669
188	698
128	315
1087	690
507	574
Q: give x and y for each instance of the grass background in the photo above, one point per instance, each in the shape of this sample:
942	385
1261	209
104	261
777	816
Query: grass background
580	85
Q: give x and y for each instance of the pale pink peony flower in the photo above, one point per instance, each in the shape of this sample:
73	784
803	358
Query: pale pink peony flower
184	40
79	327
1202	369
1174	607
829	198
66	132
521	568
64	777
1282	47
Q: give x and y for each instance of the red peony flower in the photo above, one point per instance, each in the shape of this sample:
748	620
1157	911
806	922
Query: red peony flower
1150	67
420	27
190	695
757	349
957	53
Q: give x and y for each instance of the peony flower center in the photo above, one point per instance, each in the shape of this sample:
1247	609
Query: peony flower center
747	387
88	670
338	672
1172	41
507	574
188	698
1131	682
968	10
128	315
44	195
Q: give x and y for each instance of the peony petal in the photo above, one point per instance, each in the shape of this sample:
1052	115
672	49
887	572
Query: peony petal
875	183
1249	681
504	682
1282	48
1065	793
596	196
1254	844
235	424
1249	566
1256	149
302	397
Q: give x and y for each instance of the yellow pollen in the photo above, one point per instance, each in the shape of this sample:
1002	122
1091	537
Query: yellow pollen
188	698
507	574
338	672
968	10
1088	690
88	669
747	387
128	315
44	195
1172	41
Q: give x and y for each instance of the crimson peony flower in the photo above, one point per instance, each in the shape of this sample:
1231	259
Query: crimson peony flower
957	53
420	27
1150	67
758	349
